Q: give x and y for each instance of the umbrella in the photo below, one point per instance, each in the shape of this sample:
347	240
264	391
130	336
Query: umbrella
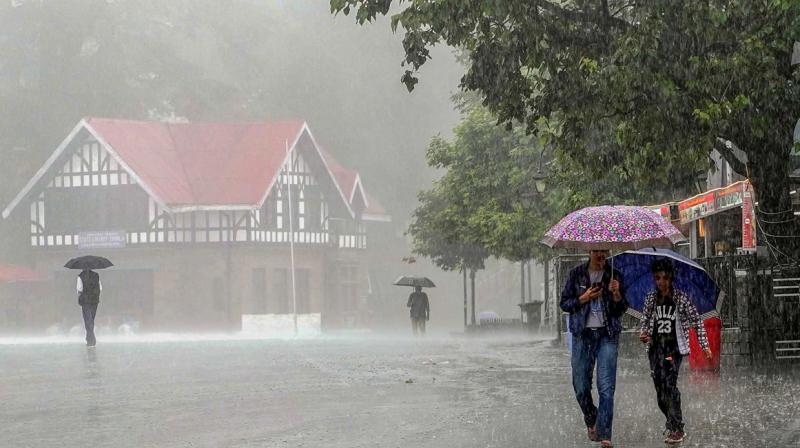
690	278
407	280
89	262
616	228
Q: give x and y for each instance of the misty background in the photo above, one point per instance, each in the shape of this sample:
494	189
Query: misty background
239	60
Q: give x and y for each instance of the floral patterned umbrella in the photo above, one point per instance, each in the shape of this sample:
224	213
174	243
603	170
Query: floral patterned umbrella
617	228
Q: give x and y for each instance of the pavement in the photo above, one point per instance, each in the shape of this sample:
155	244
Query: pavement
359	391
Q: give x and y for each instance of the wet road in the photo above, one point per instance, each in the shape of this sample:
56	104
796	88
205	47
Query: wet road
342	392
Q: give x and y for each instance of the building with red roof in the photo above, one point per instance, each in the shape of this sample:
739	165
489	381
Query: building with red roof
198	220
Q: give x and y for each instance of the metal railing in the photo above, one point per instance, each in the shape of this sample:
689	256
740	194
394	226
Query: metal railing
728	272
787	349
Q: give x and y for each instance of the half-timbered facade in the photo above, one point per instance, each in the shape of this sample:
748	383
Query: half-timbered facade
198	219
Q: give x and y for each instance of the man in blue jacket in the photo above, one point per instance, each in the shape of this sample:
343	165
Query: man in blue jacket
595	300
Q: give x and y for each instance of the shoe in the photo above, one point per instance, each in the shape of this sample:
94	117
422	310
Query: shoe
666	433
675	437
606	444
591	432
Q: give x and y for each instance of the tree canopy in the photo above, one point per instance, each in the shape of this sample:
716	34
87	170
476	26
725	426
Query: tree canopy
488	198
640	89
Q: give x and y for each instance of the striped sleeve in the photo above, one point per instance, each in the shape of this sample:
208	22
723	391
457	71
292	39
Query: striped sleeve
647	314
693	319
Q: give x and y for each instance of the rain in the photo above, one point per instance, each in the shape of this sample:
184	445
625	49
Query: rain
352	223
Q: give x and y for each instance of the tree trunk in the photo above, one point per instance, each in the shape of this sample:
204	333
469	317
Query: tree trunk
464	272
472	287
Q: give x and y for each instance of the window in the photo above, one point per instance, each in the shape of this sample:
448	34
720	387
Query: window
301	210
279	211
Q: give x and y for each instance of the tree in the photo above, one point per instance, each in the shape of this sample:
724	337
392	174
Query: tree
639	88
487	196
436	230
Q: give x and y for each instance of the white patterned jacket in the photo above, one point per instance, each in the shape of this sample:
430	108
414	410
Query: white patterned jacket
687	317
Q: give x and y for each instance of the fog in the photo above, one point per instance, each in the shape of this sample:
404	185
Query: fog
230	223
211	61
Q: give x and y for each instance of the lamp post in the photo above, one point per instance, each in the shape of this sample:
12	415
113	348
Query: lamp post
540	182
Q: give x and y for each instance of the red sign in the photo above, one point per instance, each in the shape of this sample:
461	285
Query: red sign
662	210
748	218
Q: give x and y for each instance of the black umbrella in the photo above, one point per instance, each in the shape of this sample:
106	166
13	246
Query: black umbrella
407	280
89	262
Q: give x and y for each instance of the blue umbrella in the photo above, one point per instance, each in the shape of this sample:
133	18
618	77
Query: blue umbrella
690	278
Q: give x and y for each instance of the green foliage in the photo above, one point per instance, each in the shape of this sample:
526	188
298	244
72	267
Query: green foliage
486	203
641	90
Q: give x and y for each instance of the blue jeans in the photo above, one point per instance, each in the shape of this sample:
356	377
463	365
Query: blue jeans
89	312
588	348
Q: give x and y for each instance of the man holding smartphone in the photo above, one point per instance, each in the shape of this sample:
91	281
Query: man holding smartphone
595	300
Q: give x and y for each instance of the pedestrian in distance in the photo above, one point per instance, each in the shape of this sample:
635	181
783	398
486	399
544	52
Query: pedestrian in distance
420	310
668	314
595	300
89	287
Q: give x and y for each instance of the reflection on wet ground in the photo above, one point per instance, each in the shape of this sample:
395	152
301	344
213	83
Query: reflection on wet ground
357	393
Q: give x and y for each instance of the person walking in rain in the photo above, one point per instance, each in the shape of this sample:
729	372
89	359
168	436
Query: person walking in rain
595	300
667	315
420	310
89	287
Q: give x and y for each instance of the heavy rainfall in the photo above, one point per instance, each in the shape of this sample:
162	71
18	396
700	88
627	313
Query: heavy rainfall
367	223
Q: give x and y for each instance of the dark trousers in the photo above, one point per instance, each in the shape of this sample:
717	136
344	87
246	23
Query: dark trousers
589	349
89	312
418	325
665	377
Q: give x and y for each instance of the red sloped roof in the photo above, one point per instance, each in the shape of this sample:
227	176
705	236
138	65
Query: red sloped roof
11	273
347	181
344	177
374	207
201	163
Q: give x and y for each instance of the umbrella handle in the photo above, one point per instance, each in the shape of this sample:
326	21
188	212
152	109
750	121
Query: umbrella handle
612	264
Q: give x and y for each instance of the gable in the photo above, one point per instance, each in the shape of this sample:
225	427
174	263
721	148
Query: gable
75	157
192	166
90	165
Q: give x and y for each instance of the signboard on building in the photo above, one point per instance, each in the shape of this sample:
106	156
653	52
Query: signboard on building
711	202
662	210
730	196
697	207
668	210
748	218
101	239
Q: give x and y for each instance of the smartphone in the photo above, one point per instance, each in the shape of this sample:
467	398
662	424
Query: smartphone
597	285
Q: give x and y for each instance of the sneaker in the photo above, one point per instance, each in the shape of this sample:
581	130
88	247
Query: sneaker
606	444
675	437
592	433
